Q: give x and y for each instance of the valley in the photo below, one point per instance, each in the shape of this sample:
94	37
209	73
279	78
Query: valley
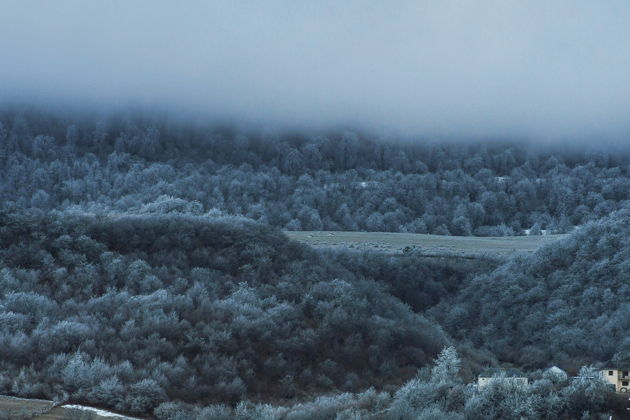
424	244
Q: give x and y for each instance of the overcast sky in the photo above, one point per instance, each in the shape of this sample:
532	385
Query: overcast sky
538	69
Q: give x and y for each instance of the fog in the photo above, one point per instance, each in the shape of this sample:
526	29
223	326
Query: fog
464	68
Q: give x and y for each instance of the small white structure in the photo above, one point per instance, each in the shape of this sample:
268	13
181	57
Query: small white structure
505	376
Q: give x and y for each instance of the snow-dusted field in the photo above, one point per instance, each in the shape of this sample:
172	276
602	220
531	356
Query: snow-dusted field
431	245
99	412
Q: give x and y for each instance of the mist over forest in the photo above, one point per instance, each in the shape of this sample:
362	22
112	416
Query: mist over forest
144	270
547	71
336	181
153	158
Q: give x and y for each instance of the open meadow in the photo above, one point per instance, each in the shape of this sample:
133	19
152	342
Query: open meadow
429	245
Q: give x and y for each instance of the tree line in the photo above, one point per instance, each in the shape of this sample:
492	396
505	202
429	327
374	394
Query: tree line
438	392
301	181
143	269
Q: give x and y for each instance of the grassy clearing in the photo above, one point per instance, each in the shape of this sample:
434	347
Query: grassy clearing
26	408
429	245
18	408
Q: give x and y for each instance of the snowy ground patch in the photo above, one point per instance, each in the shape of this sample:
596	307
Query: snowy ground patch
99	412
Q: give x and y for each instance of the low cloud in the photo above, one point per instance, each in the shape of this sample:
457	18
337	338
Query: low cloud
463	68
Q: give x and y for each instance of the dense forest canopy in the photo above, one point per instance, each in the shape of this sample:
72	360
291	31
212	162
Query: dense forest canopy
567	304
438	393
332	181
166	313
143	268
132	311
457	175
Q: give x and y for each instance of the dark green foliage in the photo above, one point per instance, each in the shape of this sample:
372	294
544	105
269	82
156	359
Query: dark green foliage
567	304
419	282
132	311
123	283
334	181
438	393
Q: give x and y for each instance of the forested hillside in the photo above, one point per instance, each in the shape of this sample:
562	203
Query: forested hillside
299	181
143	268
164	314
132	311
315	210
567	304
